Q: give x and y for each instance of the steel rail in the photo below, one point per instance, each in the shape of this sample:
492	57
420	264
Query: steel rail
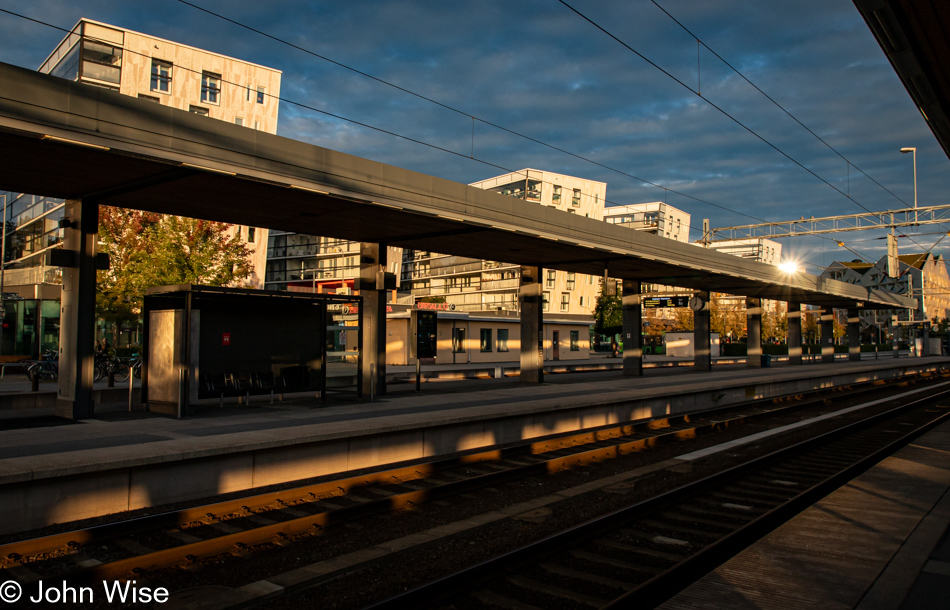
661	587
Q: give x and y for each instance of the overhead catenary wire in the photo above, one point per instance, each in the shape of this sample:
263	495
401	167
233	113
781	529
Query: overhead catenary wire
849	163
409	138
778	105
710	103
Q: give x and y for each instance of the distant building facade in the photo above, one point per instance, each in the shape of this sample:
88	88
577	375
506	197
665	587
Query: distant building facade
923	276
469	284
757	249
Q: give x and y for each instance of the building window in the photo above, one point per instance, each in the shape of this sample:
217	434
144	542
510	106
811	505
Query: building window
565	301
570	281
458	340
161	76
210	87
150	98
576	200
545	299
251	234
502	339
485	339
68	67
239	121
575	340
549	282
260	95
198	110
101	61
557	193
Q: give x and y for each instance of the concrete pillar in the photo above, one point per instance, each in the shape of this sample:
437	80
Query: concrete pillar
77	330
372	266
753	336
794	338
531	295
632	329
702	354
828	335
854	334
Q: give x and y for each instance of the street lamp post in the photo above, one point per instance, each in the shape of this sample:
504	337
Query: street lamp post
913	149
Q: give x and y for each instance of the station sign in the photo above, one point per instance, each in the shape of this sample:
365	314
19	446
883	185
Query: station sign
658	302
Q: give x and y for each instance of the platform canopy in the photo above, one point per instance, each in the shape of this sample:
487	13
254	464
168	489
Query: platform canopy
60	138
915	36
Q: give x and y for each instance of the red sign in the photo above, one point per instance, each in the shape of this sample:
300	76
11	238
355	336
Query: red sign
225	338
436	306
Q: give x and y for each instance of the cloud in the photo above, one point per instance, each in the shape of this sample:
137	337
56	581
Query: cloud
538	69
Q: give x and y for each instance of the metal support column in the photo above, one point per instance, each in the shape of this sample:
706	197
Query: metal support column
854	334
632	329
794	339
753	337
373	308
828	335
77	331
530	294
702	353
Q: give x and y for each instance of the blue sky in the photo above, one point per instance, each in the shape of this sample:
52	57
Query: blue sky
537	68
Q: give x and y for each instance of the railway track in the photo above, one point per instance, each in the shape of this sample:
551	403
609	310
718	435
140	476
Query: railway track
644	554
135	547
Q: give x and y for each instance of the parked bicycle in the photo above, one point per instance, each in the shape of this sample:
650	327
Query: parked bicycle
46	369
110	363
137	366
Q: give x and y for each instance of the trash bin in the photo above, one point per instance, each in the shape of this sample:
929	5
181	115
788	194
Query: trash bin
766	360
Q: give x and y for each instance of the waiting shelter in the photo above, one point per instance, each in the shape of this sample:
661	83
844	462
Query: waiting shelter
204	343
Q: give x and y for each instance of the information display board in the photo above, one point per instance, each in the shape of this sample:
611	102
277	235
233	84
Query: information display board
424	328
657	302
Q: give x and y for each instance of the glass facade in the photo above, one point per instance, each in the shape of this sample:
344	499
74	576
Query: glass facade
101	61
32	228
91	59
30	327
295	257
68	67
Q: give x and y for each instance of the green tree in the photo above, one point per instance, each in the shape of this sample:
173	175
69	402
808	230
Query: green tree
147	249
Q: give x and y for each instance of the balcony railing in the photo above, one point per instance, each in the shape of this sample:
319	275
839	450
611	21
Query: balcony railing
500	284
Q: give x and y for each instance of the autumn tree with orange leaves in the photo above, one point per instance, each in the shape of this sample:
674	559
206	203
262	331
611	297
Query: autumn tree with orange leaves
147	249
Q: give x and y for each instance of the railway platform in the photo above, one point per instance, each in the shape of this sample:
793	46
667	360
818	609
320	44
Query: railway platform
880	542
54	471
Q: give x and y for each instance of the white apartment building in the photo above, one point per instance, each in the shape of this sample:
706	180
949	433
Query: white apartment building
654	217
152	69
469	284
758	249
